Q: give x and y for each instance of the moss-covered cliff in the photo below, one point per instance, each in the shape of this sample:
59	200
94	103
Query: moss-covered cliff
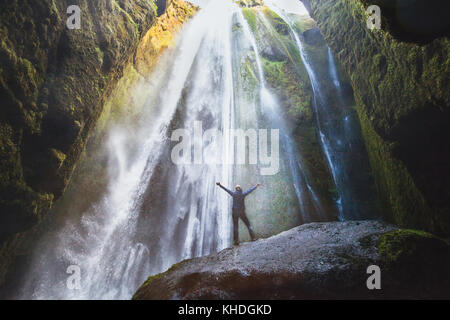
53	83
400	76
61	88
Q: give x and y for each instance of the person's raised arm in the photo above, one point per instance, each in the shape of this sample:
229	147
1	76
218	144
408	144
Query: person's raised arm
229	191
251	189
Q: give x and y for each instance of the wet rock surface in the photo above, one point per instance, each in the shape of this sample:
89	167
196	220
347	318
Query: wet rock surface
313	261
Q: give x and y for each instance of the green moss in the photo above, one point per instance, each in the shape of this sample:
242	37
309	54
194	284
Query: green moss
147	283
276	21
100	55
59	156
153	278
402	203
177	265
154	7
249	3
400	245
411	256
295	93
249	71
250	16
157	276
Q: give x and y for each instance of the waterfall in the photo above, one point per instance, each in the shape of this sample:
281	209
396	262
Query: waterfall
304	192
155	213
114	254
333	71
336	136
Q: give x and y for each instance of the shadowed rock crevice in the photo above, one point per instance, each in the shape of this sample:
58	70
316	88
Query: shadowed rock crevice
419	21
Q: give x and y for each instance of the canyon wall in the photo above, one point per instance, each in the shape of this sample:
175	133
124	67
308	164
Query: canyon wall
400	76
60	88
53	83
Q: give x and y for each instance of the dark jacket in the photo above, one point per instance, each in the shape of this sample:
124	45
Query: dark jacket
238	197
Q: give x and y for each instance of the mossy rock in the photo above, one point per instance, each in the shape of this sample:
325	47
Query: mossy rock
294	92
249	3
404	246
250	16
313	261
416	257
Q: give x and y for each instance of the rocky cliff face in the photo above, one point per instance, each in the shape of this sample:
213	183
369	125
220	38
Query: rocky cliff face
400	76
53	83
314	261
60	89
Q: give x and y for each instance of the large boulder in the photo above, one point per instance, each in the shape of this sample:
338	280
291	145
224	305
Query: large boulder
314	261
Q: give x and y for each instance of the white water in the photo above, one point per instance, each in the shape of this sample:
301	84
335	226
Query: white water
309	202
333	71
155	213
336	143
104	243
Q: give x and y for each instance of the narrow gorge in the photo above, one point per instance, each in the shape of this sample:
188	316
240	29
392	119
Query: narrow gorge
344	128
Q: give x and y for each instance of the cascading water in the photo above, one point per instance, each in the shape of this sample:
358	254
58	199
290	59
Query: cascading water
349	143
306	196
333	72
108	243
336	139
154	212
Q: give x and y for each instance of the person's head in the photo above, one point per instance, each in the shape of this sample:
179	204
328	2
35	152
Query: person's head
238	188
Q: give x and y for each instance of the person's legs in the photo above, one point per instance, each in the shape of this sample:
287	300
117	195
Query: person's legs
235	228
249	227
